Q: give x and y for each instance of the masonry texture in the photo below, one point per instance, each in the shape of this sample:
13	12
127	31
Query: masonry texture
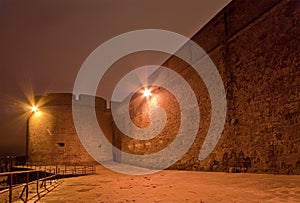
255	47
52	137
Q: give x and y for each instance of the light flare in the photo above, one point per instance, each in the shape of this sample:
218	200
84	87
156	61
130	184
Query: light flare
147	93
34	108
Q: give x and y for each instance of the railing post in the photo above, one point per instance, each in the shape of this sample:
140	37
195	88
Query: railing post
37	183
27	181
45	179
10	187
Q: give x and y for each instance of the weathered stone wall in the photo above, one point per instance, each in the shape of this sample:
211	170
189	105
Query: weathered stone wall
255	47
52	138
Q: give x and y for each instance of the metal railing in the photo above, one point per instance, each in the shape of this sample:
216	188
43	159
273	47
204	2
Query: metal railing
18	184
31	185
62	170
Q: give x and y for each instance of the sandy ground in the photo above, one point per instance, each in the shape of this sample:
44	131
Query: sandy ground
177	186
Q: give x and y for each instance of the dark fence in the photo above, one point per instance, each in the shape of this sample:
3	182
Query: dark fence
31	182
27	185
62	170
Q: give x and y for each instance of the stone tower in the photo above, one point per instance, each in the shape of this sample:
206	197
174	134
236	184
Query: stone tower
52	138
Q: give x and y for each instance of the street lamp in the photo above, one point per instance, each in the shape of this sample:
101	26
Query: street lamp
147	93
35	110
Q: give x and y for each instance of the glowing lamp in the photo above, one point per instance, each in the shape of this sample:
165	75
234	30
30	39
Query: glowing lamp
146	92
34	108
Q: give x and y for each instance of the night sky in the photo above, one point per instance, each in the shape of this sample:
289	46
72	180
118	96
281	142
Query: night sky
43	43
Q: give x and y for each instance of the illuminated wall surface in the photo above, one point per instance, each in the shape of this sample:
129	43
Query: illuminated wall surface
52	138
255	47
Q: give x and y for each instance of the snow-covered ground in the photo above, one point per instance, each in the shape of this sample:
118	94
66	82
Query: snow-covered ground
177	186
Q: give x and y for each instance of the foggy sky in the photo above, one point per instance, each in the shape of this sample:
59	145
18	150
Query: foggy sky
44	42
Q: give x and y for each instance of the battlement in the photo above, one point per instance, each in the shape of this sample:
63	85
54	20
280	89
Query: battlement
57	99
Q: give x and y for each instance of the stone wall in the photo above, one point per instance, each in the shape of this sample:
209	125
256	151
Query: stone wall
52	138
255	47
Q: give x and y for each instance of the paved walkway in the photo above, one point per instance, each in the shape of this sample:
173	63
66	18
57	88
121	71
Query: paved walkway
177	186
